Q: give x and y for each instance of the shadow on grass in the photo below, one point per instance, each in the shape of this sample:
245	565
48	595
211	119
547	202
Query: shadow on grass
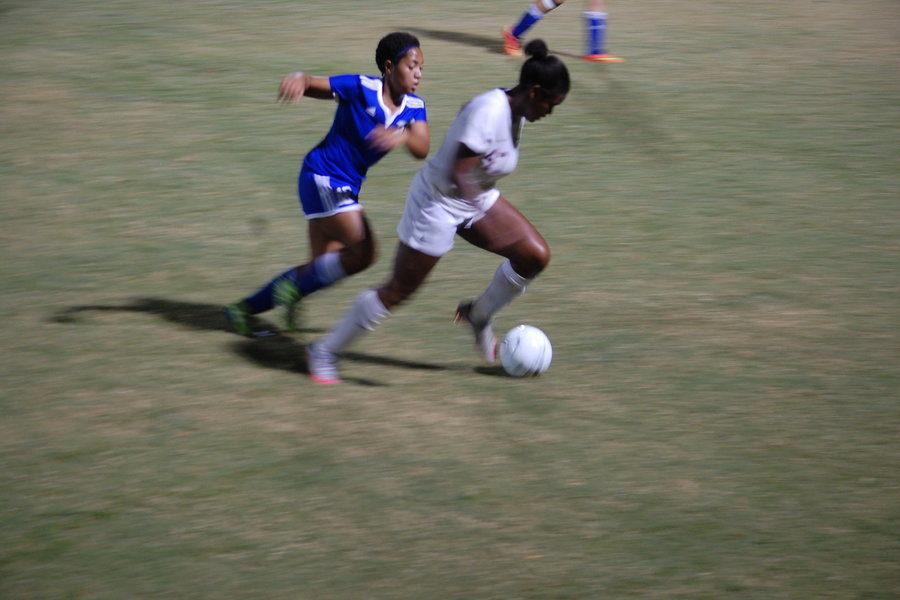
393	362
491	44
494	371
285	354
274	351
207	317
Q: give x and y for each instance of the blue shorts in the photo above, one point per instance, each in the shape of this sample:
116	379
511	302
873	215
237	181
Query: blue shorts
323	196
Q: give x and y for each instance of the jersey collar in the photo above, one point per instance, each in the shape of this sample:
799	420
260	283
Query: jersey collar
388	116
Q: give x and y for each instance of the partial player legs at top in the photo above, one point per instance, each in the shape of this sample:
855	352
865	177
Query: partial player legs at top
595	18
512	35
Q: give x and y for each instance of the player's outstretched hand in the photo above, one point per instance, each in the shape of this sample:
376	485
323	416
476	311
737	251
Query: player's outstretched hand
292	88
385	139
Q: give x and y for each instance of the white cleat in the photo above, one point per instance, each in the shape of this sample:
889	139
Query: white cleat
485	340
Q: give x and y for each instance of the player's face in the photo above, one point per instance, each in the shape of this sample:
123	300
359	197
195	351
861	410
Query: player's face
541	104
405	76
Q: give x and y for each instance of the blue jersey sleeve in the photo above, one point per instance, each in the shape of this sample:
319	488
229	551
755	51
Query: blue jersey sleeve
344	87
416	107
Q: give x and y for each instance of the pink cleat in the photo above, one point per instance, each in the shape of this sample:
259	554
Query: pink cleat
322	365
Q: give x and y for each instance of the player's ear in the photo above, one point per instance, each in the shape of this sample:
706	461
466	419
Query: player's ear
388	67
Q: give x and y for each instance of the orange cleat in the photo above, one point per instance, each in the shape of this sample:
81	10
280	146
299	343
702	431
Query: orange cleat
602	58
511	45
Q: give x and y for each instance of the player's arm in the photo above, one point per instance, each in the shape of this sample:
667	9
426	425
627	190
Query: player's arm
463	172
297	85
416	137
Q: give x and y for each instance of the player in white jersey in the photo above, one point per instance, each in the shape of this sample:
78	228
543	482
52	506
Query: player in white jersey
455	194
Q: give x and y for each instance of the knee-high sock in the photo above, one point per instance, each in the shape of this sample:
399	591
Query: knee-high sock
365	315
321	272
529	18
505	286
595	22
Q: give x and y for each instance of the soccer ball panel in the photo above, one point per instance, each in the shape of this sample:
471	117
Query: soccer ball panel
525	350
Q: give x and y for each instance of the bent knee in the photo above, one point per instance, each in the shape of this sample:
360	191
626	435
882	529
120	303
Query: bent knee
359	257
532	259
541	255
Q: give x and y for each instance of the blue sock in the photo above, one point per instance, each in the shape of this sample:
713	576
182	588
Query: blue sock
320	273
264	298
596	32
529	18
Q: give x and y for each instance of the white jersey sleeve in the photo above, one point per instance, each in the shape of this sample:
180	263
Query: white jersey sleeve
485	126
477	123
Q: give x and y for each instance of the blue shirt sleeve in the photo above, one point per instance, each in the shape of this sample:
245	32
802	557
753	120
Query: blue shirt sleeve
416	107
419	115
344	87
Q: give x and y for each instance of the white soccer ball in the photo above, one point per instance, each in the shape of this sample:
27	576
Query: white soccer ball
525	350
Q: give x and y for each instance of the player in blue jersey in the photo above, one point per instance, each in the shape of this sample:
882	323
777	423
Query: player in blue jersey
374	116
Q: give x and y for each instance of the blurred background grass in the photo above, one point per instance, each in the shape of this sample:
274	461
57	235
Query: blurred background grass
721	416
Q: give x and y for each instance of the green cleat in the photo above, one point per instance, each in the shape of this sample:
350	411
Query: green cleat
239	318
287	295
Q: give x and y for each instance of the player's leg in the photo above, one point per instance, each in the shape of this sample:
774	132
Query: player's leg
595	18
535	12
348	231
426	231
341	244
411	268
505	231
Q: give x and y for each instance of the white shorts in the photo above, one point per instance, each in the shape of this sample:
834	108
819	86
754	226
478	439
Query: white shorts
430	219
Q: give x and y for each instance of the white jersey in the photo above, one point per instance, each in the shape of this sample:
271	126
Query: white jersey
435	208
485	126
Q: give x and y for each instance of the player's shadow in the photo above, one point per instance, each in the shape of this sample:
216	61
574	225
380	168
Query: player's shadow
193	315
492	371
273	351
491	44
286	354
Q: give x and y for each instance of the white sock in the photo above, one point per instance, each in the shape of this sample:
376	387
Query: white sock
506	286
365	314
329	268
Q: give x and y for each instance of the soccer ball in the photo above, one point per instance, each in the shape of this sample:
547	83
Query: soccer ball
525	350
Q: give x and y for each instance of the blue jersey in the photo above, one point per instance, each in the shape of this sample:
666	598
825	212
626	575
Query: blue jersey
345	154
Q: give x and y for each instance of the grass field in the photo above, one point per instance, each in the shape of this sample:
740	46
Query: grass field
721	419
